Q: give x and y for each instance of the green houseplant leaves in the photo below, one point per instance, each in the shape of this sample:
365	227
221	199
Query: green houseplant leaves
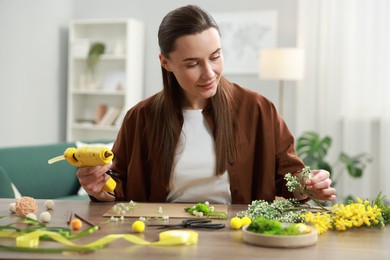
95	51
312	149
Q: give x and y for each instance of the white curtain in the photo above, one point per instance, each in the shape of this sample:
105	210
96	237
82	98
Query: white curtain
346	90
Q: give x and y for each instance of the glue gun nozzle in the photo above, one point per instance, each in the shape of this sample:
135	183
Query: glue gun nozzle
107	154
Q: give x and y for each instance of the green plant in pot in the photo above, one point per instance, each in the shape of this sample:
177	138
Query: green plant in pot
94	54
312	149
95	51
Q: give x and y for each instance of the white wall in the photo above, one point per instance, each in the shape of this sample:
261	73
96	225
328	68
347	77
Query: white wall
33	57
33	42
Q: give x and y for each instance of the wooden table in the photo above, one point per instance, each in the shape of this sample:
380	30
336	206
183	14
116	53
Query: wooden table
215	244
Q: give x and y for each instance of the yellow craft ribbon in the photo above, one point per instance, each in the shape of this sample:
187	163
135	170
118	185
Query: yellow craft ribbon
167	238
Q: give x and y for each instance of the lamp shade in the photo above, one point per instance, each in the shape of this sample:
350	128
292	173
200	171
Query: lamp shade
281	64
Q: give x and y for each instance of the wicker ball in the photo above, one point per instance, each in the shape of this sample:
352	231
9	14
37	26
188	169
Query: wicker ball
26	205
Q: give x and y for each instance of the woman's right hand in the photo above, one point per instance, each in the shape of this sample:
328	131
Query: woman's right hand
92	179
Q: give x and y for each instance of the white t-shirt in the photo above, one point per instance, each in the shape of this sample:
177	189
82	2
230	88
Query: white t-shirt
193	178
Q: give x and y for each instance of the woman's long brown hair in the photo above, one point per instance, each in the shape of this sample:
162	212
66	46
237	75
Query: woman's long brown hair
166	122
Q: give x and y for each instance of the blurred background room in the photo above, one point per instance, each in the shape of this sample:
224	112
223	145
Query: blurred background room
340	87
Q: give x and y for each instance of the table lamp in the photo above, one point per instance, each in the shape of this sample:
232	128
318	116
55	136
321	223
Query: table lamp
281	64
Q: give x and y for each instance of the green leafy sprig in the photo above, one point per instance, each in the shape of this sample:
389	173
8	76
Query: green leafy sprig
385	210
204	209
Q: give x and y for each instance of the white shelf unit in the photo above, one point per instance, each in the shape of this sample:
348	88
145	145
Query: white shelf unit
119	72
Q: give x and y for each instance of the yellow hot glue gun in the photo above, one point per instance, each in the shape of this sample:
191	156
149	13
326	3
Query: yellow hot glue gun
89	156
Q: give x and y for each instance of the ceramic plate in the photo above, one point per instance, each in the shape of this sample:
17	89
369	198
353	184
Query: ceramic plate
280	241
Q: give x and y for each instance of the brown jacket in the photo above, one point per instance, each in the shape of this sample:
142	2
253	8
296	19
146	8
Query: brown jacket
265	152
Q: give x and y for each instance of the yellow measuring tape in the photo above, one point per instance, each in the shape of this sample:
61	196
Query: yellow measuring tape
31	240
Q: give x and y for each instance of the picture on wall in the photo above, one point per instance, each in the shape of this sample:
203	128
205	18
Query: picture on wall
243	34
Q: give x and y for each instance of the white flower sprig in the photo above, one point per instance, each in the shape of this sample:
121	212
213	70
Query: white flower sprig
161	214
281	210
295	183
123	208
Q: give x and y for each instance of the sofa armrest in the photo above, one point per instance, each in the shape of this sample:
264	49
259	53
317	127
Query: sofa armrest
28	169
6	190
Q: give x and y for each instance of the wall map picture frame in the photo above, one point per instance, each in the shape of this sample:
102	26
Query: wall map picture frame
243	34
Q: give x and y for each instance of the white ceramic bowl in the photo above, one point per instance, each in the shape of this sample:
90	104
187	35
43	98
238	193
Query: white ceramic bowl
279	240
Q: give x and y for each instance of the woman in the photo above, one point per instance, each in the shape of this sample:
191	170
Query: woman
202	137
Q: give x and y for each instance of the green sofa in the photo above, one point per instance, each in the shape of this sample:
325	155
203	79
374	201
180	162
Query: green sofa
26	167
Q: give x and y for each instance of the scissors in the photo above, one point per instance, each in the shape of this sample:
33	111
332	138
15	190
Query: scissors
192	223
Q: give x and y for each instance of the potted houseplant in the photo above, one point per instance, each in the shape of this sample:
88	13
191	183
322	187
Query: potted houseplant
94	54
95	51
312	149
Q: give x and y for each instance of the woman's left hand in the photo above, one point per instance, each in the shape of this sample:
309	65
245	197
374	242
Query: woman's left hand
319	185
